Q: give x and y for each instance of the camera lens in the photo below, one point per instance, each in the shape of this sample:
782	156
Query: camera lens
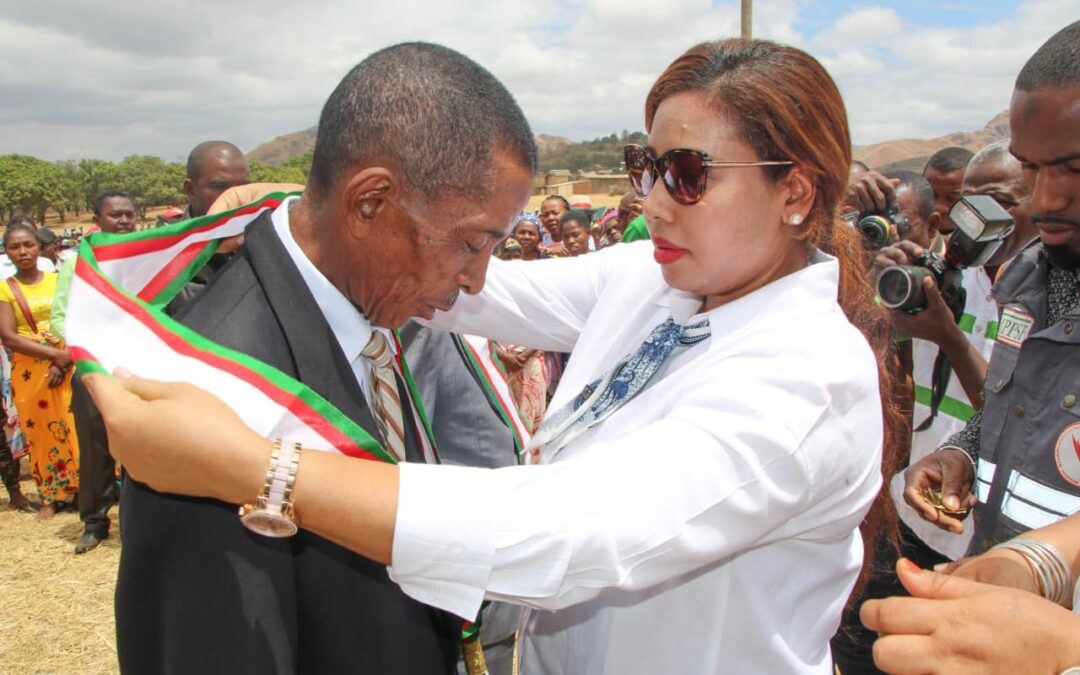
900	287
893	286
875	230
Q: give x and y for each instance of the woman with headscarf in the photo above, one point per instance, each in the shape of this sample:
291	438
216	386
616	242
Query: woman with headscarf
527	233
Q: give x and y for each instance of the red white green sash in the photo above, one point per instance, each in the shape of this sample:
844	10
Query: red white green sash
479	355
115	318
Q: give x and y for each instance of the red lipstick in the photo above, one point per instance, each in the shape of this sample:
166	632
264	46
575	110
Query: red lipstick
665	253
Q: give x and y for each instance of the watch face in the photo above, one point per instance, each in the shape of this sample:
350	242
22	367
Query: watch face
269	524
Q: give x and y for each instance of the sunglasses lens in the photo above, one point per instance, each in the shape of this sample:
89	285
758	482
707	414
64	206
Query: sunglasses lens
683	173
639	168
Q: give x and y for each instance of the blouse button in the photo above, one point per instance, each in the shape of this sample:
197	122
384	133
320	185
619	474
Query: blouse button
1018	411
1070	400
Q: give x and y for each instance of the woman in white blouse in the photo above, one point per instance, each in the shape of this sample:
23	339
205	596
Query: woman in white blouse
710	522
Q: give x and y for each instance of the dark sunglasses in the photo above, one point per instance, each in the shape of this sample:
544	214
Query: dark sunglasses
683	170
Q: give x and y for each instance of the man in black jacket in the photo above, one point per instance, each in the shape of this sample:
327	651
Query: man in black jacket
422	160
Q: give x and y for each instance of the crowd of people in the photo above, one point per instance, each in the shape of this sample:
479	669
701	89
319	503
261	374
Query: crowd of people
742	450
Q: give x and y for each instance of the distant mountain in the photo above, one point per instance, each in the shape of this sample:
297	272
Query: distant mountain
547	144
905	151
557	152
284	148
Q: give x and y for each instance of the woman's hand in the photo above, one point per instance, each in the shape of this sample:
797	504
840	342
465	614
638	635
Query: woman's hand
178	438
62	359
956	626
1000	567
55	377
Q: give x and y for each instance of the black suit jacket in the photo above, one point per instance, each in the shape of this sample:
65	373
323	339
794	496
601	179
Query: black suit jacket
199	593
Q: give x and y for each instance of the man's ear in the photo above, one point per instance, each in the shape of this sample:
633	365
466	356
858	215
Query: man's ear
365	198
189	190
932	225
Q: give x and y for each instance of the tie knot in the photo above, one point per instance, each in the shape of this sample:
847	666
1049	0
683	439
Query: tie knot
378	350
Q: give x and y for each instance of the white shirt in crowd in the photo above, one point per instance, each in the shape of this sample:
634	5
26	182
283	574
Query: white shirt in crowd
8	269
709	525
980	326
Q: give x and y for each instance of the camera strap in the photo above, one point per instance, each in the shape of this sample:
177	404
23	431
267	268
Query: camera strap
939	383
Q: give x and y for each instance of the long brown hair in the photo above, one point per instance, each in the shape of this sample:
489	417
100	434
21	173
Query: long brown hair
787	107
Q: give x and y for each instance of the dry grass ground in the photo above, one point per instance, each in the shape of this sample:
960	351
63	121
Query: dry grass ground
57	612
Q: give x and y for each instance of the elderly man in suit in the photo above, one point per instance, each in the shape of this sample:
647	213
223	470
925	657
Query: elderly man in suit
421	162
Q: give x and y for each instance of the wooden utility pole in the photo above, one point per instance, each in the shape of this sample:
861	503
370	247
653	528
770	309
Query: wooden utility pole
747	19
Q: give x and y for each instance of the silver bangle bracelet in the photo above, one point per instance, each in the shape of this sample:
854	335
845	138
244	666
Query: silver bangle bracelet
974	467
1048	566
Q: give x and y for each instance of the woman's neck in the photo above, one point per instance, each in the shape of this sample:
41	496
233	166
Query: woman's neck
795	260
29	276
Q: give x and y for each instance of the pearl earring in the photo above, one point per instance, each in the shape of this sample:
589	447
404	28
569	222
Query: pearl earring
796	220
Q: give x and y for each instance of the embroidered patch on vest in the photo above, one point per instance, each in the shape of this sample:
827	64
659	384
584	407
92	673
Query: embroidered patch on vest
1067	454
1014	326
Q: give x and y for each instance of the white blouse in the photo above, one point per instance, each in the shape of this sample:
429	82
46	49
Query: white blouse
707	526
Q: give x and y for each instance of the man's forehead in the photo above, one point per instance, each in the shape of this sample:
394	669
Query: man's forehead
1045	124
118	203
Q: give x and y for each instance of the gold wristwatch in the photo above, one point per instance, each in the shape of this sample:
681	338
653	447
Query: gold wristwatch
272	514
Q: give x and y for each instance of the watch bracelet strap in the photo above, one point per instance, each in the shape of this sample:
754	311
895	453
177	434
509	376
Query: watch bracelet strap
281	475
276	493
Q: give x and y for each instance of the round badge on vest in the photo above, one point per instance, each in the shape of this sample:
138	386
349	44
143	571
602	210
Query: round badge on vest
1067	454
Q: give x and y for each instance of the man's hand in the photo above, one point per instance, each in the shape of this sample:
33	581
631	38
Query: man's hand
957	626
900	253
240	195
948	471
178	438
935	323
245	194
871	192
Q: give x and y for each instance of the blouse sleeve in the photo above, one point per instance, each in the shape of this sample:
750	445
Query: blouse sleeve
726	469
542	303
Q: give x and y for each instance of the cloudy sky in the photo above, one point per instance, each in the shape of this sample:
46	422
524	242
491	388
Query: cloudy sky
109	79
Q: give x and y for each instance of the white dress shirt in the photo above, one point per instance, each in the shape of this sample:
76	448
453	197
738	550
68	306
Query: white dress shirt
707	526
348	324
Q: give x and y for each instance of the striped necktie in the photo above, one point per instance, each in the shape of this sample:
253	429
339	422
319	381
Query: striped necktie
627	379
384	394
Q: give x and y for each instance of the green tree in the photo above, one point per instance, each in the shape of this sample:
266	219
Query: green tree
286	173
70	189
95	176
150	181
30	185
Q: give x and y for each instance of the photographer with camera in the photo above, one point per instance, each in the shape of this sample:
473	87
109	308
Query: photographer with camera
966	345
1019	455
945	320
945	173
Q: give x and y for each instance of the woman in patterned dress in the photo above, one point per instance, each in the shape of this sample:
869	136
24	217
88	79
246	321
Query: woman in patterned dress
41	373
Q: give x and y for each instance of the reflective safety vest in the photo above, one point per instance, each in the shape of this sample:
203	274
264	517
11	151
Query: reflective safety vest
1028	472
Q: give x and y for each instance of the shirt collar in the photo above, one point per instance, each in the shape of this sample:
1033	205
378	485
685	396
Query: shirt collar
349	325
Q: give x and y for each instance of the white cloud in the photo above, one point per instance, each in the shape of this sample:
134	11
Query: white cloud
157	77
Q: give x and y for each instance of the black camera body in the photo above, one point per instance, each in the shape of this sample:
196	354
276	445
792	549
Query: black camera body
981	226
901	287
